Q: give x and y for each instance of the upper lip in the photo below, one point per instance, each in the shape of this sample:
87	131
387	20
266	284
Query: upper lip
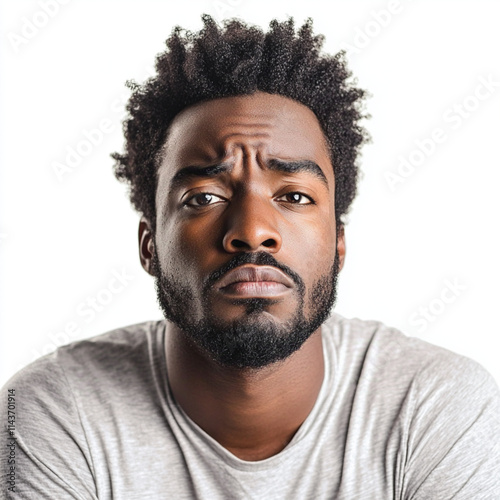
252	273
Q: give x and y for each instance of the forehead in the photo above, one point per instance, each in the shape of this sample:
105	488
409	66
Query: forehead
269	125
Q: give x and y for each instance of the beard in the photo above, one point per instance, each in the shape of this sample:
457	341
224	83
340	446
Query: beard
254	340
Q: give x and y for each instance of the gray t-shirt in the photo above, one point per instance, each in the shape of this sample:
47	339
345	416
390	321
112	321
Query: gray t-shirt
396	418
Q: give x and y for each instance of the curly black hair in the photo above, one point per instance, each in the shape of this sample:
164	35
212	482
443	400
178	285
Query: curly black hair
238	59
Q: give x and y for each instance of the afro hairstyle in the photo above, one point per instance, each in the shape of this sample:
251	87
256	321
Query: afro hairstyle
238	59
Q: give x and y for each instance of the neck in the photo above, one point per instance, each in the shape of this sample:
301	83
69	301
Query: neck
253	413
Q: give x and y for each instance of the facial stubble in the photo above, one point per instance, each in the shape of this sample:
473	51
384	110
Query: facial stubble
255	339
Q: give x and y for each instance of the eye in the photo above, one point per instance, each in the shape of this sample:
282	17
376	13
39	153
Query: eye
203	200
296	198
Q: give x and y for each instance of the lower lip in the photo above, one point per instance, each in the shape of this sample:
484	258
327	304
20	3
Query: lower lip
255	289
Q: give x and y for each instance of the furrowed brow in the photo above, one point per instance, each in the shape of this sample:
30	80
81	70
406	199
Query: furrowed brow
293	167
191	172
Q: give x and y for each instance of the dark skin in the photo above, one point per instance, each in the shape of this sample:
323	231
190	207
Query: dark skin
249	205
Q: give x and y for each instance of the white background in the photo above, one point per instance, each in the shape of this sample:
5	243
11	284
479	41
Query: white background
62	237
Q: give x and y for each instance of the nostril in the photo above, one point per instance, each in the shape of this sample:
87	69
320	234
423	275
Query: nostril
269	243
238	244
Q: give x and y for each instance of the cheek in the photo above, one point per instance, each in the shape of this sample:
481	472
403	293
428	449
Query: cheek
186	246
312	248
172	248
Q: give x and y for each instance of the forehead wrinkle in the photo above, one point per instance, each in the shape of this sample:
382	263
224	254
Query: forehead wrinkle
247	123
258	135
230	142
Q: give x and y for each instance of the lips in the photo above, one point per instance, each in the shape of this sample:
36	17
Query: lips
252	280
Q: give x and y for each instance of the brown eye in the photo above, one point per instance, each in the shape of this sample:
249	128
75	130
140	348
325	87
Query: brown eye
203	200
296	198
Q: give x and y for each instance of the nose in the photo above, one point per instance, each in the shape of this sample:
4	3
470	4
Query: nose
251	226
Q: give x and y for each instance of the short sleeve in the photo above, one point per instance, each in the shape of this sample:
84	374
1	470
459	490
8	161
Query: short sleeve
454	435
47	446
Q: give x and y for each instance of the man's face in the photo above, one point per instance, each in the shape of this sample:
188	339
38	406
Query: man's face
245	244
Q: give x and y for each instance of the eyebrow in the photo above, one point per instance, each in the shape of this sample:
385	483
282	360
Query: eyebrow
290	167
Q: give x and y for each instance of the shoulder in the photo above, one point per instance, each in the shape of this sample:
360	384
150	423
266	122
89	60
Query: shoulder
114	351
387	352
441	408
70	401
434	386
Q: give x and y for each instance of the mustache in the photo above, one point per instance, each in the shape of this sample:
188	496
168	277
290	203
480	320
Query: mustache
257	258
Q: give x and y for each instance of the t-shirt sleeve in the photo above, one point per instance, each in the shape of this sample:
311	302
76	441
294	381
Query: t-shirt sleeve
454	436
45	437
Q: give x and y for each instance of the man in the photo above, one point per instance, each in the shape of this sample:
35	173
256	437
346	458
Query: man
241	158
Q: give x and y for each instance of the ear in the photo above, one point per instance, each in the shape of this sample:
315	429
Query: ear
146	245
341	245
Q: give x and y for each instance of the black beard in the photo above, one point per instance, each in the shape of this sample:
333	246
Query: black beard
253	341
